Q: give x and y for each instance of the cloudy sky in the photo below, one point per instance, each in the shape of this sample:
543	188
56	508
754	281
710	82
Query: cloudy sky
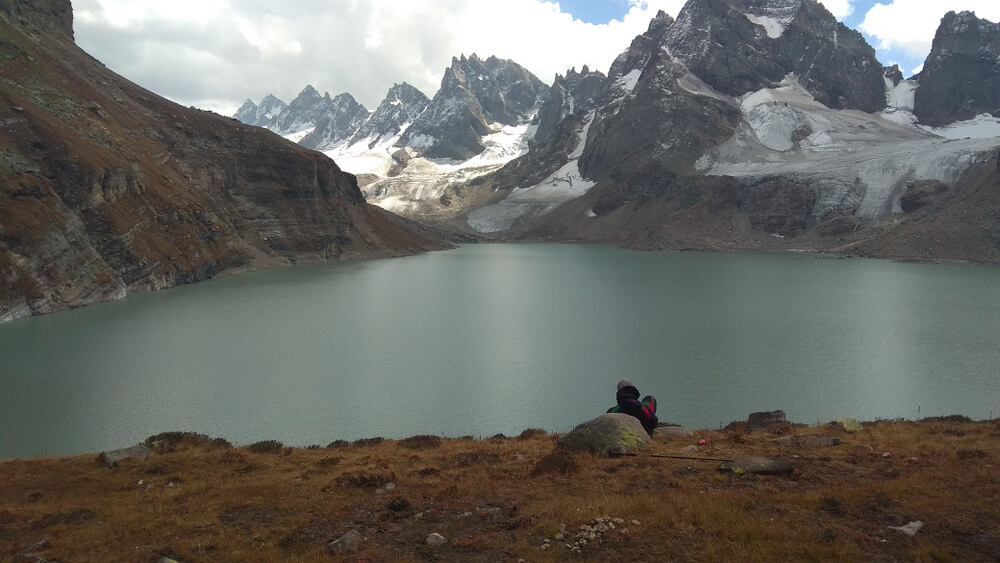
214	54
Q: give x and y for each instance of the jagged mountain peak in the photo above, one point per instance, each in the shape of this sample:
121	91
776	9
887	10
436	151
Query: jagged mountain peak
309	95
401	105
260	114
475	97
961	77
740	46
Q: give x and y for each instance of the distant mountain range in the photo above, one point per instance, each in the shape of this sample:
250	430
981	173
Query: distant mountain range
741	124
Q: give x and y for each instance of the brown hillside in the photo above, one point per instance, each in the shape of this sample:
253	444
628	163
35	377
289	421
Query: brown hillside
505	499
106	188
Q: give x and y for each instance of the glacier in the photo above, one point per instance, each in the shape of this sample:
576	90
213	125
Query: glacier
853	160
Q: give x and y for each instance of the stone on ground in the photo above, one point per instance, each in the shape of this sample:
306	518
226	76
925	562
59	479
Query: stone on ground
111	458
436	540
348	543
607	435
910	529
848	424
762	420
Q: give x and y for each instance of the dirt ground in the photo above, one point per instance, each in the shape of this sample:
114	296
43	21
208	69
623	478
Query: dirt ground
520	498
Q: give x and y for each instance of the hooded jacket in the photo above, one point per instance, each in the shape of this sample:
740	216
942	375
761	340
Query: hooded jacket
629	403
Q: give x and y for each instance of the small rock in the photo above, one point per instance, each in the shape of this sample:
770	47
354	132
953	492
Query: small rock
758	466
436	540
847	424
636	523
398	504
559	537
111	458
887	454
825	441
348	543
546	546
690	450
390	486
910	529
762	420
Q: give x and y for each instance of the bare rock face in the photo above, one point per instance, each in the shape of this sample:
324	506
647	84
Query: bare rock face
52	16
575	93
739	46
106	189
474	95
961	77
780	207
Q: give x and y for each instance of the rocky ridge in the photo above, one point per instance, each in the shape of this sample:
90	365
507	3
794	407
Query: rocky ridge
475	97
961	77
108	189
712	135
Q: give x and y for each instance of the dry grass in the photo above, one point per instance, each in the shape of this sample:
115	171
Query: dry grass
500	499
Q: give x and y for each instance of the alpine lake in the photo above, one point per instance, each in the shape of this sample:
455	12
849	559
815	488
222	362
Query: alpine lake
499	338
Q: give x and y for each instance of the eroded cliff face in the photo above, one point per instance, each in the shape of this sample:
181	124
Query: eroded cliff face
107	189
961	78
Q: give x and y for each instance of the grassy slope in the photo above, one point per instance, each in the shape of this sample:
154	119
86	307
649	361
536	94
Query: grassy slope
499	499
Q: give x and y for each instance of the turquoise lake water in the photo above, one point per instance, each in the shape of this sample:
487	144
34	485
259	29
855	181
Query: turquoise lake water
488	339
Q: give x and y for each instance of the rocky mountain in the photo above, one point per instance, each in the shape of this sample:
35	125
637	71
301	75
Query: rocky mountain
738	47
961	77
571	94
320	117
741	124
757	124
337	121
474	96
260	114
400	107
107	189
324	123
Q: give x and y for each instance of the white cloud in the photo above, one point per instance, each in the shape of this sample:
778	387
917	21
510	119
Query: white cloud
909	25
839	8
216	53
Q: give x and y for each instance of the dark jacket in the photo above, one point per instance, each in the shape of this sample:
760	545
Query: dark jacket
644	410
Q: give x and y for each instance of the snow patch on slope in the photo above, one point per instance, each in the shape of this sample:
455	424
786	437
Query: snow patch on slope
983	126
853	160
299	135
424	180
900	96
774	27
561	186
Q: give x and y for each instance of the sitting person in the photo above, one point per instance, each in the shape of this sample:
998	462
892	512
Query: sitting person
629	403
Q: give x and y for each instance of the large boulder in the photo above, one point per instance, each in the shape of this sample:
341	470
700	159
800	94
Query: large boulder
607	435
763	420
